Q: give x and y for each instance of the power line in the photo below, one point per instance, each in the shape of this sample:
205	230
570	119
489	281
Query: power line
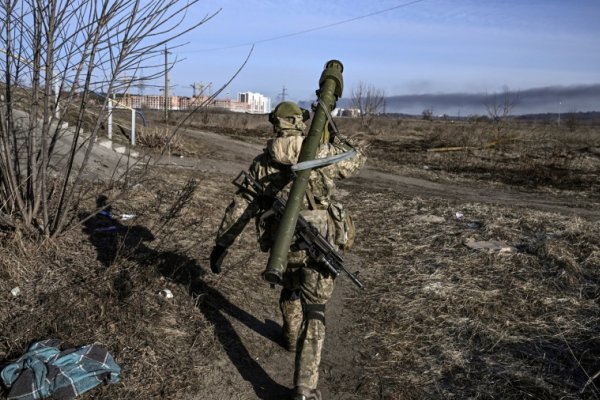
282	94
317	28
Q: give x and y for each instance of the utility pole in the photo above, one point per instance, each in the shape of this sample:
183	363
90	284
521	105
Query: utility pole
166	84
559	105
283	93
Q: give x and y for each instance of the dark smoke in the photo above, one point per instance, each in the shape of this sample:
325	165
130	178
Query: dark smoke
552	99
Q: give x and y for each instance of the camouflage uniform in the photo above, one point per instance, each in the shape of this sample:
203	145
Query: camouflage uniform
306	285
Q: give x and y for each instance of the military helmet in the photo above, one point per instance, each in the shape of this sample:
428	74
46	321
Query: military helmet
288	109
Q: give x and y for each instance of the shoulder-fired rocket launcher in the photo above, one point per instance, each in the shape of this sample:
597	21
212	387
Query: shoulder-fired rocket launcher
331	85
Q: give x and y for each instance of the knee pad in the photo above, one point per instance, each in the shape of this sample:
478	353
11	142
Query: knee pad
314	311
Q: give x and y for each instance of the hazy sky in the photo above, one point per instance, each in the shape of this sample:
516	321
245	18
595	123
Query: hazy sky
417	47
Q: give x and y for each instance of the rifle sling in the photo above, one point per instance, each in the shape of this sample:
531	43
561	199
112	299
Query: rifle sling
311	199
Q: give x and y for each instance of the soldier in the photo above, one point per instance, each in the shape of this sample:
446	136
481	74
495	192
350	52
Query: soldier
306	285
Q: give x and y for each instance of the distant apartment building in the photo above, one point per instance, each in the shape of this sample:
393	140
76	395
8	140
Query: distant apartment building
248	102
346	112
256	102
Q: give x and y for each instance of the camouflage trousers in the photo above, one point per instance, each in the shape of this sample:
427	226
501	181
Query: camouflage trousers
307	288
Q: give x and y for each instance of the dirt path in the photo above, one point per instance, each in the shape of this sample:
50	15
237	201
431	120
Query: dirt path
252	363
476	194
257	366
229	156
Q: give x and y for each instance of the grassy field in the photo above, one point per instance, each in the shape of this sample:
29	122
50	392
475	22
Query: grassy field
438	320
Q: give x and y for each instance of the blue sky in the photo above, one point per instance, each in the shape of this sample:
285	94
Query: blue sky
428	46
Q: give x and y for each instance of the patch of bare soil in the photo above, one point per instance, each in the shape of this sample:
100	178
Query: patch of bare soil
437	319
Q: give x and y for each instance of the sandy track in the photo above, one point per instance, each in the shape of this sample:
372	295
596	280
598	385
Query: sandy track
229	156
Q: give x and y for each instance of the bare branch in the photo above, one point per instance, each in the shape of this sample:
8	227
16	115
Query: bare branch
57	53
368	100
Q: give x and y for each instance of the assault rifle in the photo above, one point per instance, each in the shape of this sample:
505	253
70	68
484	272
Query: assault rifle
306	236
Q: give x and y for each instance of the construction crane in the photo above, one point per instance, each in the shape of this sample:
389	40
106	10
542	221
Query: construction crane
198	88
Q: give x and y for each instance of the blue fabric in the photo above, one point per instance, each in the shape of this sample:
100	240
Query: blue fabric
46	371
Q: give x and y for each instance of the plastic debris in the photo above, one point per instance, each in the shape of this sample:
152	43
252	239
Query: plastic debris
125	217
106	214
15	291
489	245
166	293
459	215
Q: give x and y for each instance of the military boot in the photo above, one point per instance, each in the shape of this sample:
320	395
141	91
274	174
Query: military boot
302	393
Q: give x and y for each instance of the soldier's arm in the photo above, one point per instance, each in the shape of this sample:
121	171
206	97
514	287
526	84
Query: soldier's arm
240	211
237	215
345	168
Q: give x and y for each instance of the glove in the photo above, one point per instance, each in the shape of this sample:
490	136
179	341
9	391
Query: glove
216	258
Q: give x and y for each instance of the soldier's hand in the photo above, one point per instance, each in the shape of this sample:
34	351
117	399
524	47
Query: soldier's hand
216	258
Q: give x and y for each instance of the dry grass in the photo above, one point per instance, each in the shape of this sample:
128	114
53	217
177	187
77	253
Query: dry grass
514	152
536	155
447	321
438	320
101	287
160	138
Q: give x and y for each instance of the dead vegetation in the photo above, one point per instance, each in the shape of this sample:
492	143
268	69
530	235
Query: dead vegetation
534	155
158	138
443	320
438	319
516	153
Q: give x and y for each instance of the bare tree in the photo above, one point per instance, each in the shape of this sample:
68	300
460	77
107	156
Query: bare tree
57	54
427	114
368	99
500	106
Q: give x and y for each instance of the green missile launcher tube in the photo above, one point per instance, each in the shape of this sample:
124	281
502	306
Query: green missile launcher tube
331	85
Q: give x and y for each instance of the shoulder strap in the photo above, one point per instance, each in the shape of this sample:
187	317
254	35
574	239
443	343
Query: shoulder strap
311	199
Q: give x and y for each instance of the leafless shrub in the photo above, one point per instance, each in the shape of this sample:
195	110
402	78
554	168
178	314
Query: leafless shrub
160	138
427	114
58	55
369	100
500	106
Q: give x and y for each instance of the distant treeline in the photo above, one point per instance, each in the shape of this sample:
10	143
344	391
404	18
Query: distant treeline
591	116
